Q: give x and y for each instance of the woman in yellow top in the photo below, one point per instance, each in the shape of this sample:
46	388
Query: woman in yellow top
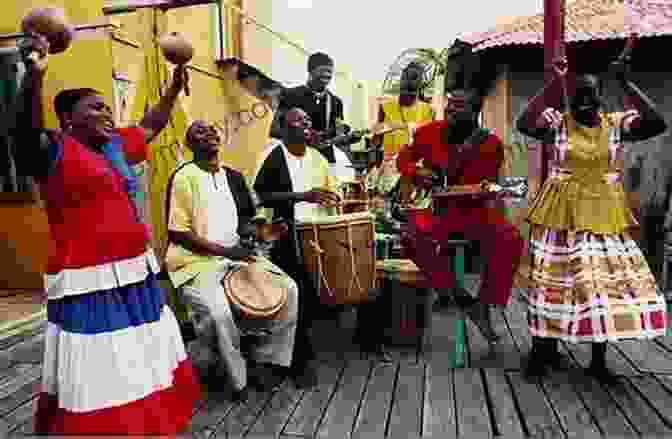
589	281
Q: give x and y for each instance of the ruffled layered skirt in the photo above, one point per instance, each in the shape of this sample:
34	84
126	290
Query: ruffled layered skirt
115	364
591	287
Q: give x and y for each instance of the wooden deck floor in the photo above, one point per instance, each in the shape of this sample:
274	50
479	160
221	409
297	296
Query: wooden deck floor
418	395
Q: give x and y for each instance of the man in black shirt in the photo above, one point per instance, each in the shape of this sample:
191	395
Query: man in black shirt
324	108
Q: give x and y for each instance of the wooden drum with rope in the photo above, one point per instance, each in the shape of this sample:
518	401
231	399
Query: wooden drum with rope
340	251
254	293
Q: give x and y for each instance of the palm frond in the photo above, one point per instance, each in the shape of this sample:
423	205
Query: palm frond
433	60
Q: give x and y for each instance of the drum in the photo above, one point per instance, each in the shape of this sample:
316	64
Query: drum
354	206
354	190
254	292
339	252
409	298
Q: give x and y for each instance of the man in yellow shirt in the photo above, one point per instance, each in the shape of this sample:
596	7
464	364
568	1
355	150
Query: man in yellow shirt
409	111
210	210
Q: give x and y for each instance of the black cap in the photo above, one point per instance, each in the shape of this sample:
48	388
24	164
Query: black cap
319	59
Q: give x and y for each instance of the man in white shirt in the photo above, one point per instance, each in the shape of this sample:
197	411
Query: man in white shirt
294	180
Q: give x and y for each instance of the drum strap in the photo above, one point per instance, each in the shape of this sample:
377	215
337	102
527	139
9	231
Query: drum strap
318	254
355	281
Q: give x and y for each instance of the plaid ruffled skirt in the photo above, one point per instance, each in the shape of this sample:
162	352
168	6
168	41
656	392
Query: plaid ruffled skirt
591	287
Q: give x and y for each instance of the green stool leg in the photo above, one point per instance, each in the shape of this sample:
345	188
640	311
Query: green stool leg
459	352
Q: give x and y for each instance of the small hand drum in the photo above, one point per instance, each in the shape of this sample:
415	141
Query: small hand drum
253	293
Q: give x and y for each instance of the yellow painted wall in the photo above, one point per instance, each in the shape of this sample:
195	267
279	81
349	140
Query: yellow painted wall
23	226
90	63
214	96
61	72
211	98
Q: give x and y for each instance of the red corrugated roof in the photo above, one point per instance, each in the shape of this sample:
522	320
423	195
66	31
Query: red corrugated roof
585	20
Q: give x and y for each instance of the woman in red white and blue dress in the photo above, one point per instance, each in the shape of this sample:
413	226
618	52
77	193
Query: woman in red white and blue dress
114	361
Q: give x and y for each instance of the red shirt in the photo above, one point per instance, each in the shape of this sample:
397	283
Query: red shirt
429	147
91	217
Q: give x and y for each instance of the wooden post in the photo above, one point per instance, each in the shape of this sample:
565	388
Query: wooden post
554	46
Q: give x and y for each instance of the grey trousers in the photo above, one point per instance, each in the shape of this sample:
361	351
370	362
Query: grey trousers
219	330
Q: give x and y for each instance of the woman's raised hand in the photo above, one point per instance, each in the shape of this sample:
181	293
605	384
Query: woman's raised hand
35	52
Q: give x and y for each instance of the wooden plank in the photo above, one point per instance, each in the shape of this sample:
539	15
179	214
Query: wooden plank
27	428
657	391
7	342
403	354
574	417
478	350
17	418
406	412
29	350
274	417
440	345
643	417
502	404
439	403
214	411
308	414
473	419
239	420
342	412
648	357
516	319
666	341
4	428
376	402
539	419
616	361
506	353
21	388
605	412
439	414
340	344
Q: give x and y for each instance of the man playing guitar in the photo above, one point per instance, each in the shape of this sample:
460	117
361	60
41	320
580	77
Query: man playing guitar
325	111
463	153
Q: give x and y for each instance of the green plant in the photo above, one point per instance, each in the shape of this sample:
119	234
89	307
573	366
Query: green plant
433	60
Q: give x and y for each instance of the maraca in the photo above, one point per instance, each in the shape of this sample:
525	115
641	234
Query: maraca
53	25
178	51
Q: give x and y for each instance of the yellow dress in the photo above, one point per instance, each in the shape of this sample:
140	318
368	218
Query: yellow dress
589	280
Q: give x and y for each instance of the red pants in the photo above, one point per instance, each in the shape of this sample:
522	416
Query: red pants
500	245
